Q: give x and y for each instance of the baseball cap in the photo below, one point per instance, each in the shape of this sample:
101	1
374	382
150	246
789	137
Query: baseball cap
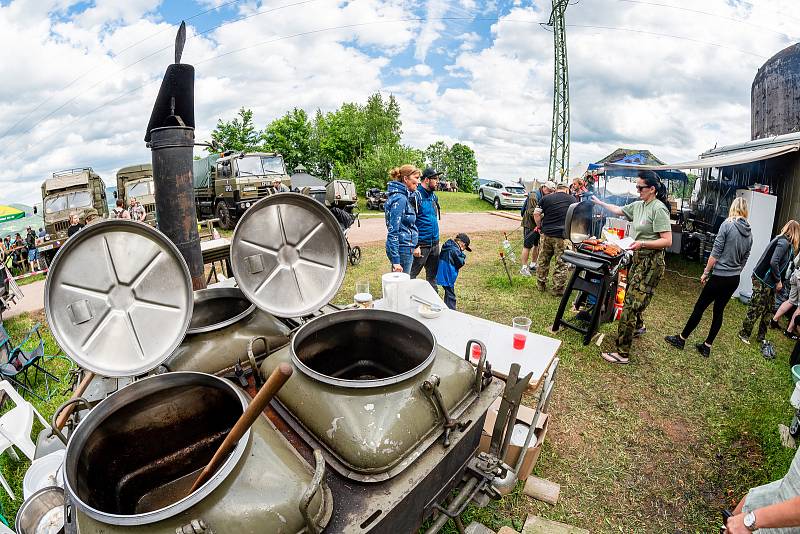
430	172
464	238
550	184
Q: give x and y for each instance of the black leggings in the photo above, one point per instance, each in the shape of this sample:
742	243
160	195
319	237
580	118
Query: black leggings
719	290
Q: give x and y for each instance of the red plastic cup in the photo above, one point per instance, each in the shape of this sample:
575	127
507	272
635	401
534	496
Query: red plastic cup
519	341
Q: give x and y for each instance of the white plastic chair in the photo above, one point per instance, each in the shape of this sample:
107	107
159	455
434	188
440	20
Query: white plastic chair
15	428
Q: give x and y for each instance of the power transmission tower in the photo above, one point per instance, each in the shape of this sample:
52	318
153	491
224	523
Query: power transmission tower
559	142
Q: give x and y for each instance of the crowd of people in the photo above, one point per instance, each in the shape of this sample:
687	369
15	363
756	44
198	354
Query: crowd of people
412	214
20	254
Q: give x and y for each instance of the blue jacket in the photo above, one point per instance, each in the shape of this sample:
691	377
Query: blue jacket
401	217
451	259
427	221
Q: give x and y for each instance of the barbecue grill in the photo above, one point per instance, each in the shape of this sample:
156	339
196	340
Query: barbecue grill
595	274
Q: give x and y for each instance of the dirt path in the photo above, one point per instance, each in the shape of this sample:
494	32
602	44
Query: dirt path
33	300
374	229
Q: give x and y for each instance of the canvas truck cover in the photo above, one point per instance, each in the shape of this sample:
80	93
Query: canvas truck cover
202	170
61	181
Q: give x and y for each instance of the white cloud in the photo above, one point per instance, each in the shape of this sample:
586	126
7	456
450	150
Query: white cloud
419	69
431	28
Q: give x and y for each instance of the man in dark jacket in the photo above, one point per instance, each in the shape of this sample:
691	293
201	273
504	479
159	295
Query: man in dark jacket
428	227
551	216
451	259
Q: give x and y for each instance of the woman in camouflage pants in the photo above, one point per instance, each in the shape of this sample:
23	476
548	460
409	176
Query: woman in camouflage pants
767	278
652	233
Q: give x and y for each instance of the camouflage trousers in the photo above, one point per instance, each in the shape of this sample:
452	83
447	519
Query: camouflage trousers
759	310
644	274
549	248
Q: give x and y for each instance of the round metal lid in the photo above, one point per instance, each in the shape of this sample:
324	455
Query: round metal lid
118	298
288	255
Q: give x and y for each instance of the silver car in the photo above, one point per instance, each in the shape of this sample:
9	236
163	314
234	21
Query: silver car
502	195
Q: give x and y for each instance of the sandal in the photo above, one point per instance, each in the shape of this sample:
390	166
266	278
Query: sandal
614	357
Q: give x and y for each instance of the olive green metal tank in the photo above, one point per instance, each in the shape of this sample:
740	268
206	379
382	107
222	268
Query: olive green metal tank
360	389
223	323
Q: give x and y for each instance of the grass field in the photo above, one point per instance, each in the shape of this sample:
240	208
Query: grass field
450	202
660	445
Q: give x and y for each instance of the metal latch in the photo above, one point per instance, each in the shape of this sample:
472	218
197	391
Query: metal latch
431	387
197	526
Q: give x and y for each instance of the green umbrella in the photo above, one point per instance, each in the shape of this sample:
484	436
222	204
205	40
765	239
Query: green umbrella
7	213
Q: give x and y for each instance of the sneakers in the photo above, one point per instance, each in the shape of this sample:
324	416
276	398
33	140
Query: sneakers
676	341
703	349
639	332
744	340
524	271
767	350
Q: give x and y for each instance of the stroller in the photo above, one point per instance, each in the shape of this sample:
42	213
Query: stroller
346	219
375	198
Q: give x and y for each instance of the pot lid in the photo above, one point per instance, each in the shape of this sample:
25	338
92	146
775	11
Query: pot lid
118	298
288	255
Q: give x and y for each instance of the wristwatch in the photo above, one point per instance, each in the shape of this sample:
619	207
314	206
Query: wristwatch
750	521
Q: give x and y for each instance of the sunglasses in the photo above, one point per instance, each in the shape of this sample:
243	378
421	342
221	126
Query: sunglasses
640	187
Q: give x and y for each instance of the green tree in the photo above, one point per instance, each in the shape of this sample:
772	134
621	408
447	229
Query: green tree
463	167
290	136
437	155
372	169
238	134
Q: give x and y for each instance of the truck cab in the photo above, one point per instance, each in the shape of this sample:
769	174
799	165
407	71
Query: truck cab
136	181
72	191
227	184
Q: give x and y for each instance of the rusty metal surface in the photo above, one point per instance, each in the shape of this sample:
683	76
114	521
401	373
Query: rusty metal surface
775	95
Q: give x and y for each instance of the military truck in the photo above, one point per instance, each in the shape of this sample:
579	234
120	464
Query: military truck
226	184
136	181
72	191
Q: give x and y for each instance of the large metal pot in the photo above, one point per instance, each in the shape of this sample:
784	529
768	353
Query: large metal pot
131	462
367	389
223	323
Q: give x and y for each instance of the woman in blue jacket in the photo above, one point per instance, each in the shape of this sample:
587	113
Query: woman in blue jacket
401	216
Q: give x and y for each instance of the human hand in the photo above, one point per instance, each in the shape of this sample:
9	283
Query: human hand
779	286
417	252
704	278
637	245
397	268
735	525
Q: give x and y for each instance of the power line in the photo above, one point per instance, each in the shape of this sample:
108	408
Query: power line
80	76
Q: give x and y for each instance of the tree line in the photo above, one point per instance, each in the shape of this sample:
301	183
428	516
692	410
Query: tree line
355	142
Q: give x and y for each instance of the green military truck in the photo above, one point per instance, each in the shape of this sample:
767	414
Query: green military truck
226	184
136	181
73	191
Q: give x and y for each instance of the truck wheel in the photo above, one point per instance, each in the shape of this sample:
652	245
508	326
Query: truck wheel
224	215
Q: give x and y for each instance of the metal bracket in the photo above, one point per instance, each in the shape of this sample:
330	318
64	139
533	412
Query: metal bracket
483	372
507	414
196	526
81	311
252	357
431	387
313	488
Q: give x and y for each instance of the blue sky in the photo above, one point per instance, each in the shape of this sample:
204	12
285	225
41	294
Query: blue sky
671	76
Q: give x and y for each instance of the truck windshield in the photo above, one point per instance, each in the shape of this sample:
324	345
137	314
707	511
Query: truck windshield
77	199
139	189
261	165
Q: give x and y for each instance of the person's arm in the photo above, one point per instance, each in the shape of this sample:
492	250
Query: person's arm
782	514
393	232
664	241
611	208
709	267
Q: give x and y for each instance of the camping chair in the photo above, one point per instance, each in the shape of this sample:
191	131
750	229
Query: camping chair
17	363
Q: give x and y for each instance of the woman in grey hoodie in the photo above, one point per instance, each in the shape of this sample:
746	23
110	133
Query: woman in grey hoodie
721	275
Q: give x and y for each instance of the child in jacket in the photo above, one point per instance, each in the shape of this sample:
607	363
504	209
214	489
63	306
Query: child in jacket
451	260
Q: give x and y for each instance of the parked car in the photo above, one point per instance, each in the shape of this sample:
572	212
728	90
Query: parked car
502	195
376	198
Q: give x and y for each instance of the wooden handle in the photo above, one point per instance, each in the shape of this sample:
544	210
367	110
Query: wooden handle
64	415
275	381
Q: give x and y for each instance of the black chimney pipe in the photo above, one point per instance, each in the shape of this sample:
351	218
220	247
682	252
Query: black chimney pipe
170	136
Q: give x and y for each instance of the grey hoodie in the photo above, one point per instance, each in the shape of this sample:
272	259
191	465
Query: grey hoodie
732	247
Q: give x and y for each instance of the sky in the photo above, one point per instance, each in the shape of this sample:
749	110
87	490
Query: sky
671	76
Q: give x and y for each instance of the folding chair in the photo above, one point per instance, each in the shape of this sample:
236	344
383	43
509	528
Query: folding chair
17	363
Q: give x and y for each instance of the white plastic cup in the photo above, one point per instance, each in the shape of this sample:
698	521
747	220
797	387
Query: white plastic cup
521	323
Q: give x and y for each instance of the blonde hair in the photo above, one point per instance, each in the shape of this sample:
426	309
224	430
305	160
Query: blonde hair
738	209
792	230
398	174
